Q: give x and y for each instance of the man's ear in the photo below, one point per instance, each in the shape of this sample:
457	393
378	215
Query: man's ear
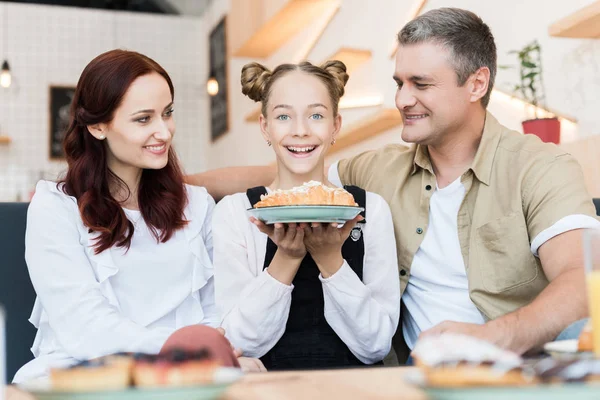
479	83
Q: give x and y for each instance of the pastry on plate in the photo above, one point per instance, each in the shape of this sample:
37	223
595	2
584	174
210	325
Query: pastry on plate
552	370
310	193
453	360
103	373
174	367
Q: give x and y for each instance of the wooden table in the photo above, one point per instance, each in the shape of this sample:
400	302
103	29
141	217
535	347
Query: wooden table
363	383
348	384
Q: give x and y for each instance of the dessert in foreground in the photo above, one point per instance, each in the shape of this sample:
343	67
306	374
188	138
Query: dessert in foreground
104	373
310	193
452	360
551	370
175	367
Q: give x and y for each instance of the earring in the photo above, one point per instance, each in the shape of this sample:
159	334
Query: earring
101	137
333	142
268	143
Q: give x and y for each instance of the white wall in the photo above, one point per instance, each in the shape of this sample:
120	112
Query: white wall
571	67
50	45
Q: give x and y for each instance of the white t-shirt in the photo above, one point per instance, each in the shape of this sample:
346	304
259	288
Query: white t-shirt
89	305
438	288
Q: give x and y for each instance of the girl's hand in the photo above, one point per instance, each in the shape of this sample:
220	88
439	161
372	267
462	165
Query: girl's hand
289	238
324	243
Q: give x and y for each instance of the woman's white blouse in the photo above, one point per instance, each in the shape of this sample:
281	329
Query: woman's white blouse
90	304
254	306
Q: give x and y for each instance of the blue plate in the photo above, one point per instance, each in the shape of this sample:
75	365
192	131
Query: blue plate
294	214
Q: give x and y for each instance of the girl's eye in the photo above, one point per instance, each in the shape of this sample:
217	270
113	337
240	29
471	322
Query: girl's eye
316	116
169	113
283	117
143	120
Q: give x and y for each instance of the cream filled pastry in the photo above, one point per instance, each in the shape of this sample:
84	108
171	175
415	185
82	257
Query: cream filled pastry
453	360
310	193
104	373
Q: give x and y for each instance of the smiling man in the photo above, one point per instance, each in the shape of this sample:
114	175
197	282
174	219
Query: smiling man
487	220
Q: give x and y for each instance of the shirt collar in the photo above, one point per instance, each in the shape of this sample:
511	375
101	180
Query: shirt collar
484	158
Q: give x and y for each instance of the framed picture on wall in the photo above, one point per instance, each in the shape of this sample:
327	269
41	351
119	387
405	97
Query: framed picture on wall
60	107
219	106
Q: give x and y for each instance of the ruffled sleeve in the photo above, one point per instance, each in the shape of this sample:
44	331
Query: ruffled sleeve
77	300
199	236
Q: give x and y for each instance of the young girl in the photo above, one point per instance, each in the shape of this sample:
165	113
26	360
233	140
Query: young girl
119	251
304	296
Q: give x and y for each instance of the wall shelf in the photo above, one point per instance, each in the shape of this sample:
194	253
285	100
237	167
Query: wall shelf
379	122
582	24
5	140
353	58
586	152
270	35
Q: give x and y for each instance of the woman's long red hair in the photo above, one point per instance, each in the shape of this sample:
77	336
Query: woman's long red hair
161	194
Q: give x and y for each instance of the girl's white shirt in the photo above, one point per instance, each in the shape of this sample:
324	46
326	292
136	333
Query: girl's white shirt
254	306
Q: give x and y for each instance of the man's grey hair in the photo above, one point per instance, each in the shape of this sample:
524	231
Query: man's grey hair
464	34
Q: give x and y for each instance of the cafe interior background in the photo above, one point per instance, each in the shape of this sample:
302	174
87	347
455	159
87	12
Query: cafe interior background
203	44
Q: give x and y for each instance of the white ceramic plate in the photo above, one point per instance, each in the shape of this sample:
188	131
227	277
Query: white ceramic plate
224	377
579	391
561	346
289	214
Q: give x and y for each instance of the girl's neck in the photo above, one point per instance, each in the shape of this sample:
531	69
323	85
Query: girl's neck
286	179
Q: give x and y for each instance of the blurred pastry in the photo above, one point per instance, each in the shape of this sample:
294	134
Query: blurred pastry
585	342
175	367
453	360
104	373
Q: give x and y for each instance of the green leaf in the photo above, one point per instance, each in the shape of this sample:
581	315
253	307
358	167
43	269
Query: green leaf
528	64
530	75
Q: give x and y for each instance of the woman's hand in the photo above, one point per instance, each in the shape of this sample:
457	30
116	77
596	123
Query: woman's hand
324	243
251	364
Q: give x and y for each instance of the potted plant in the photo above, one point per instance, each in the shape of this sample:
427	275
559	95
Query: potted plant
531	89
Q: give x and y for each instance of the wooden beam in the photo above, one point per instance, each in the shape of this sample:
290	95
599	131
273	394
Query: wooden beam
353	58
254	114
291	19
545	112
5	140
379	122
317	33
584	23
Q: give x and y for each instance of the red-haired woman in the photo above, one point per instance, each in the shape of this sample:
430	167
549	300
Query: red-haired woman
120	250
